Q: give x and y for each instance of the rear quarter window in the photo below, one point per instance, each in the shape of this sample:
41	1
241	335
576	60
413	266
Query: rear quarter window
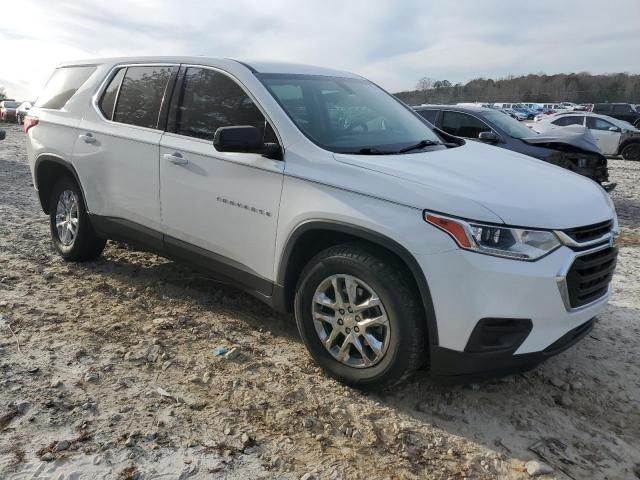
108	100
63	85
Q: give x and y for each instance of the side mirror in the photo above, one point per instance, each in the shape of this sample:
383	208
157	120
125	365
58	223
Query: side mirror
614	129
488	137
245	139
3	134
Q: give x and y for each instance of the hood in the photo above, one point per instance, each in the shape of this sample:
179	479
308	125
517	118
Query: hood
575	135
520	190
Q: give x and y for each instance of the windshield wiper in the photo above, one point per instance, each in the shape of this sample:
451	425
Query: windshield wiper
419	145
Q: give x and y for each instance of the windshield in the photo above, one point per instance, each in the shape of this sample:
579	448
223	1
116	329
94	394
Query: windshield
621	123
10	104
348	115
511	126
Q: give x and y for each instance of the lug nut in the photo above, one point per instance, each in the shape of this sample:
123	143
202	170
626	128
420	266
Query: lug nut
349	308
357	318
348	330
340	322
356	329
341	311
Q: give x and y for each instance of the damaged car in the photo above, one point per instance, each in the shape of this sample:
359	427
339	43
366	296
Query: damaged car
613	136
575	151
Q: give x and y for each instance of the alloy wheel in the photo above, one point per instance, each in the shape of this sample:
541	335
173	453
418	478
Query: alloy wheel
351	321
67	217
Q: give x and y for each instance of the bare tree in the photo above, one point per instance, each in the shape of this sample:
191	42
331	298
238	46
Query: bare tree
425	83
580	87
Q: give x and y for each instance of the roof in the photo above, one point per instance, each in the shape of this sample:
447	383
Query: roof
255	66
555	116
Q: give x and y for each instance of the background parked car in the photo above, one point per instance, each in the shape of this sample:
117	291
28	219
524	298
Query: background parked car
8	110
621	111
614	137
514	114
489	126
572	106
22	110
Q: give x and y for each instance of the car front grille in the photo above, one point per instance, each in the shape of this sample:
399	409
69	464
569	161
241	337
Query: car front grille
589	277
590	232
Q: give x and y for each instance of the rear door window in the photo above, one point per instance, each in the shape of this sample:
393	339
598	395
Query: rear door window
141	93
209	100
463	125
63	85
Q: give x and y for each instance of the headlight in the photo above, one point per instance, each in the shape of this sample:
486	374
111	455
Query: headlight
515	243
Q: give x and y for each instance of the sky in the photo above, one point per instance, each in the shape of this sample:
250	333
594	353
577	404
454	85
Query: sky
393	43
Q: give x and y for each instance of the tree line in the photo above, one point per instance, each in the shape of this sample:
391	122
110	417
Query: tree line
580	87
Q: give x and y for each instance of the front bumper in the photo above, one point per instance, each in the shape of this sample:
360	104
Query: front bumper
467	287
451	365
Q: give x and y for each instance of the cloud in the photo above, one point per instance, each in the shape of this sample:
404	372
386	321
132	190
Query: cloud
392	42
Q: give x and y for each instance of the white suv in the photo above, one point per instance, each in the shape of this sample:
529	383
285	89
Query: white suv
315	190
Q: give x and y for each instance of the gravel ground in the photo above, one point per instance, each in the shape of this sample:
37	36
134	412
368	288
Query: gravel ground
110	369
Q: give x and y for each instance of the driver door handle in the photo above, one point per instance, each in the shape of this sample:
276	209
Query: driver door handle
88	138
176	158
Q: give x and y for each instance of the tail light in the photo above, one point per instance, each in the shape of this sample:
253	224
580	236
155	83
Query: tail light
29	122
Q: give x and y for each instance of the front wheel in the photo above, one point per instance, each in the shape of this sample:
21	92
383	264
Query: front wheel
631	152
360	317
71	232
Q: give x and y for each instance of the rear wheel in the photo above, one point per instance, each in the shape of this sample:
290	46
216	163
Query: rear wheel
71	232
359	317
631	152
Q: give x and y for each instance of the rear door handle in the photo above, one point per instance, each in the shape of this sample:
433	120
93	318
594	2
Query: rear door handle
176	158
88	138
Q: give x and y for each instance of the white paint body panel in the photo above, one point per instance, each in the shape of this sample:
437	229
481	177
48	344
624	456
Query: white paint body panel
607	141
125	175
210	201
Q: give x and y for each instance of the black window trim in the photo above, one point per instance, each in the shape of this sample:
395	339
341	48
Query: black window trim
105	83
172	109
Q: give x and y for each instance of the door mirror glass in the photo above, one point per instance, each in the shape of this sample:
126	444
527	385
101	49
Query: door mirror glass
489	137
244	139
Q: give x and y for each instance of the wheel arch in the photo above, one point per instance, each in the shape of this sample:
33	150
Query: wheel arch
626	143
47	170
312	236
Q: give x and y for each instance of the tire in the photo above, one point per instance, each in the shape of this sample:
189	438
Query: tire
401	344
631	152
79	245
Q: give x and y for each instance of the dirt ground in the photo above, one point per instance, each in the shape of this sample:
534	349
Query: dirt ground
112	369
